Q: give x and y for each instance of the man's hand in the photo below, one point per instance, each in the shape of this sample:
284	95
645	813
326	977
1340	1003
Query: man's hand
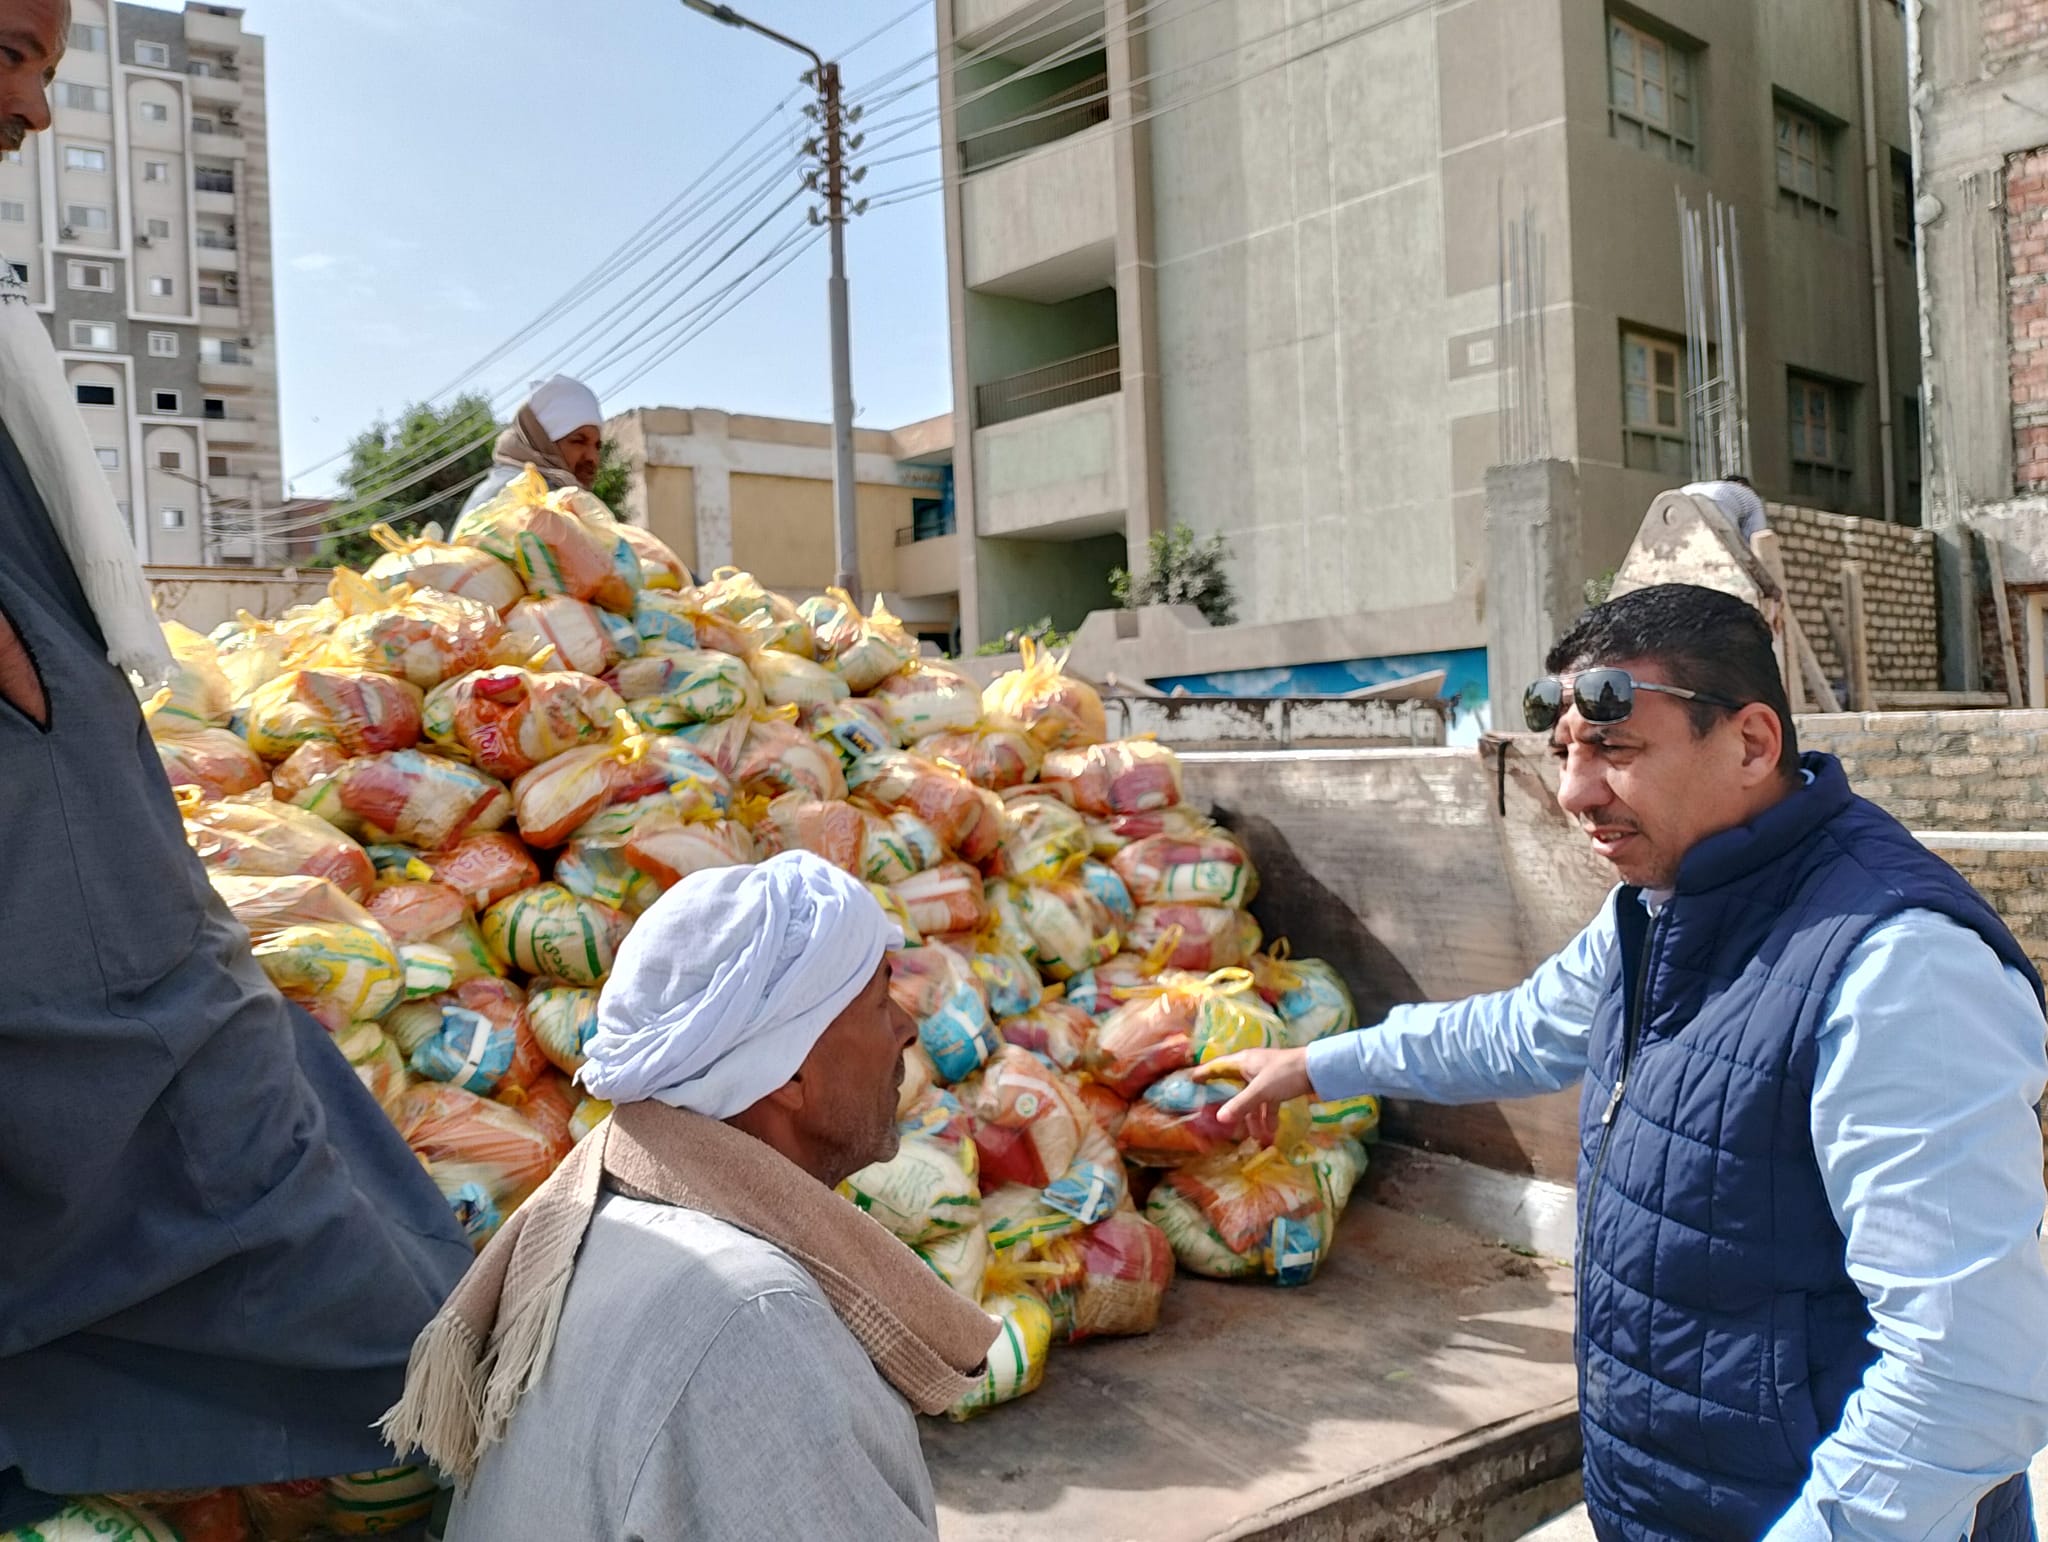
1271	1077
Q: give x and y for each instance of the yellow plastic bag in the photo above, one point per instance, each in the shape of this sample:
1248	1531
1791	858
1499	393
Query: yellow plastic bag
425	563
423	636
1056	710
553	549
254	835
1016	1360
549	931
924	1193
197	695
862	650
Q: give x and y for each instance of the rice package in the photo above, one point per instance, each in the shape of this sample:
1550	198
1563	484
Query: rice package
1042	837
988	755
91	1518
251	653
862	650
341	973
681	686
790	681
946	898
1126	1265
197	695
390	1499
927	697
465	1139
358	711
1056	710
723	743
425	563
467	1050
1021	1225
483	869
898	846
429	969
507	720
593	791
779	757
553	551
1057	1031
251	834
852	728
1177	1120
1070	930
1196	937
1112	832
1031	1128
423	636
593	870
563	1018
1177	1021
569	634
938	990
420	799
1243	1212
1102	881
1310	996
548	931
1101	990
924	1193
1211	869
661	570
834	830
588	1115
968	819
1006	975
664	621
1129	776
670	846
212	759
1016	1360
765	617
961	1260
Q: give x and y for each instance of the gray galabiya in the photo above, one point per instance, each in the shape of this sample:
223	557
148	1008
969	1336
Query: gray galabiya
217	1250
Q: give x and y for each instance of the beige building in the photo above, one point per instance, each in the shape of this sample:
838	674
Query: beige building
1238	265
141	223
726	490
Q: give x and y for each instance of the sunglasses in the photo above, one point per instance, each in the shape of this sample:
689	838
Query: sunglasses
1602	696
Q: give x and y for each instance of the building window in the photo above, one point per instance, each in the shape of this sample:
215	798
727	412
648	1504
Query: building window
1650	92
163	288
170	460
110	459
84	158
930	518
217	466
213	179
166	401
96	396
1819	436
204	125
156	171
155	112
20	271
173	519
97	277
84	98
1908	437
1905	227
96	335
215	407
13	213
1652	411
209	294
163	345
87	39
156	55
221	350
1806	163
158	230
86	216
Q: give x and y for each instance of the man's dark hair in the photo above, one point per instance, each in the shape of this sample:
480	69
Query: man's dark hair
1703	639
1740	481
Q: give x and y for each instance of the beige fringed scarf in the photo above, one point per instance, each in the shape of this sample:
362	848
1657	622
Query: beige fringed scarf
526	443
490	1343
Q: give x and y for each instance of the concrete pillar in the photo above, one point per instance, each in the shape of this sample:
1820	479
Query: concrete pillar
965	518
1137	308
1534	562
1955	573
712	481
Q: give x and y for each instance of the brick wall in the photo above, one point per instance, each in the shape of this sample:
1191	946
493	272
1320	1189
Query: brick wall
2026	239
1900	608
2016	884
2012	28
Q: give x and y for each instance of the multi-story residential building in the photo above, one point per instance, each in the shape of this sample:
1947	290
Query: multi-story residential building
141	223
1239	265
729	490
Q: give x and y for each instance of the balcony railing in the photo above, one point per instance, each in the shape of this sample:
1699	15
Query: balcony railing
204	69
1079	379
213	240
225	130
213	181
1082	105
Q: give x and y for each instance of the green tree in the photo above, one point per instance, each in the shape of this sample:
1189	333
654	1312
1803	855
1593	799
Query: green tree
1180	571
614	477
461	434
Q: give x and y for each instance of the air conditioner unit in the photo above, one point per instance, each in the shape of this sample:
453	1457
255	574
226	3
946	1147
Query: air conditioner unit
248	342
70	234
230	282
145	240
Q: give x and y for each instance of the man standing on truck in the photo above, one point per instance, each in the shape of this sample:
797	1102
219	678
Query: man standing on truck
1811	1290
214	1248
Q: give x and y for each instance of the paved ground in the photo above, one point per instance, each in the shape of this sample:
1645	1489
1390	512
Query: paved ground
1573	1526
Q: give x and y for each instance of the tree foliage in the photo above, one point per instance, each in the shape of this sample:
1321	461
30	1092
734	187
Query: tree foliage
1181	571
386	453
614	477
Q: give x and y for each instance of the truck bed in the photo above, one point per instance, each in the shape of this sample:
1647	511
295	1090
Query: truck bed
1421	1387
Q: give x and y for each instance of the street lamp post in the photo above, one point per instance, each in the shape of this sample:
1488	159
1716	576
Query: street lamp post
834	121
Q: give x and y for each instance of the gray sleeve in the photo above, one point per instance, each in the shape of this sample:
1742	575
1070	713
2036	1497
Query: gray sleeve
784	1430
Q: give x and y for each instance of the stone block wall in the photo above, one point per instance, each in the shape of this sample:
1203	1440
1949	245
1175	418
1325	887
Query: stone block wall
1901	610
2016	884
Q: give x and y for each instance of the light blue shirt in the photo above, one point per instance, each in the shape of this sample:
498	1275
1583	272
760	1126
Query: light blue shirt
1932	1056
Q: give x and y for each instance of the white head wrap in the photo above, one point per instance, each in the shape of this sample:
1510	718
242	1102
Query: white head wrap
563	405
723	986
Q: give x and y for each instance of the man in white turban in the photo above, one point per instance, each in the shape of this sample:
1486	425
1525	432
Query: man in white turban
686	1331
558	430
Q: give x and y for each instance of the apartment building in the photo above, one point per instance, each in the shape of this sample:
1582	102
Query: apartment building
726	489
141	223
1239	266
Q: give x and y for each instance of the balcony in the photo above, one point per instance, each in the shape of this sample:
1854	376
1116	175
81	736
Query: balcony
218	259
1080	106
1024	30
219	86
222	142
929	567
209	29
231	432
219	205
220	318
223	375
1079	379
1042	227
1053	474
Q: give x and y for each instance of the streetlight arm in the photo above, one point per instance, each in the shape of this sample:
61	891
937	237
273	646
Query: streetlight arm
732	18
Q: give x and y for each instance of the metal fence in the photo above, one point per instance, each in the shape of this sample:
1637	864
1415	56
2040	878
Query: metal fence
1079	379
1082	105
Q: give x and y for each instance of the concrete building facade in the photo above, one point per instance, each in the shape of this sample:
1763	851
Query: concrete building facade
1238	266
141	223
728	490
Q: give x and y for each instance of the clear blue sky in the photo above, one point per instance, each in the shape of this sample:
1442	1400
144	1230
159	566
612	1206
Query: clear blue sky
443	169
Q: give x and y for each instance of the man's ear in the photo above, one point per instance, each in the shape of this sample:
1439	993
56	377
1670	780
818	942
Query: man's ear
1763	740
789	1097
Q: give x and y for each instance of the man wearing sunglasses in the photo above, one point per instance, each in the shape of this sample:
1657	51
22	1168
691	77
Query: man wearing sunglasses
1811	1291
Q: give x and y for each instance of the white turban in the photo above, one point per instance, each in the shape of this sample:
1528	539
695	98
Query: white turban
562	406
723	986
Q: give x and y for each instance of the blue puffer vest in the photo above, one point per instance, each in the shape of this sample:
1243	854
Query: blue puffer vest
1719	1332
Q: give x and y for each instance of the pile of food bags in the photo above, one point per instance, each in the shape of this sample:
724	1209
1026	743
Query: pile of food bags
440	797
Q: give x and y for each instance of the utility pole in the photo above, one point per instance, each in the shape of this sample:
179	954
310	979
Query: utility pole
832	179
